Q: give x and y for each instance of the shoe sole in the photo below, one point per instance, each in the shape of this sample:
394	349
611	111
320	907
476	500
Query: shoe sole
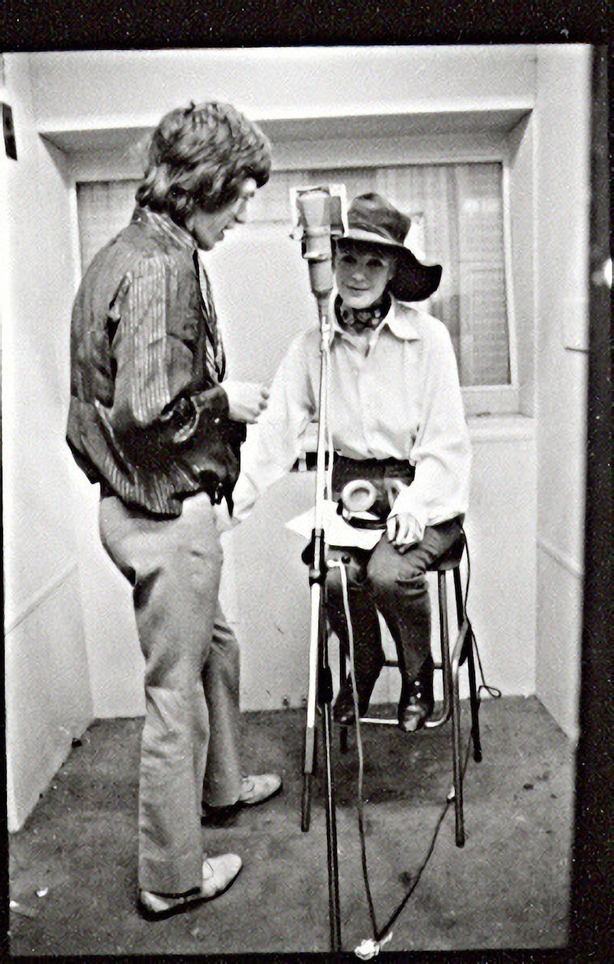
221	816
188	904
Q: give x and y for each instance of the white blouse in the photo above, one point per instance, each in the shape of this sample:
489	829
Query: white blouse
394	393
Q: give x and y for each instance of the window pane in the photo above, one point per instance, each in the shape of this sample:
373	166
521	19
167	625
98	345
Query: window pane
483	316
104	208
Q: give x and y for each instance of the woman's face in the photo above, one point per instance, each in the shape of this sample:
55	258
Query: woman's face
362	274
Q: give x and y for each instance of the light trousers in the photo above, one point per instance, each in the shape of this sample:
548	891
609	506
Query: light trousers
190	740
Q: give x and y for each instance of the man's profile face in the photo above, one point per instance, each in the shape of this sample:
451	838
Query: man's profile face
208	227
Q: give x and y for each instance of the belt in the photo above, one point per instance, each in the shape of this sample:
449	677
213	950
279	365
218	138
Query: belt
366	489
345	468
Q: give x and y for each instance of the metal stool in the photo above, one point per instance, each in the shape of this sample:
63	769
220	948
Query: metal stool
449	666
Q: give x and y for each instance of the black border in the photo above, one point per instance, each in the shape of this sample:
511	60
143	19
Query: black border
30	25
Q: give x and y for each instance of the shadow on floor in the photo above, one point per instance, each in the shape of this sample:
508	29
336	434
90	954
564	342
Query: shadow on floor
73	866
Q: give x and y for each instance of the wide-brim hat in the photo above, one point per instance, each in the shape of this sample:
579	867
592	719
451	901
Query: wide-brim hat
372	219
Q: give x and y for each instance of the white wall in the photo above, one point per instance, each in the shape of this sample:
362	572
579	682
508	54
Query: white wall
563	80
265	589
78	91
113	651
48	698
265	581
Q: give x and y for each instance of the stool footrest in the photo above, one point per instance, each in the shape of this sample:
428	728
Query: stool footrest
379	720
393	663
434	721
431	723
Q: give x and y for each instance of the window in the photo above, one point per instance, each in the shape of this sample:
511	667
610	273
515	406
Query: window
261	283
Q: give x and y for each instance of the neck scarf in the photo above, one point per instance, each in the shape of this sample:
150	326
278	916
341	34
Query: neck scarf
361	319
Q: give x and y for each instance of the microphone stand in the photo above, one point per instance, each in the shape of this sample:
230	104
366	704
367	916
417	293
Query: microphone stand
320	677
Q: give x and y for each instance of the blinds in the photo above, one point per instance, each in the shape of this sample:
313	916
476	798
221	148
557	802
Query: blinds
457	221
103	209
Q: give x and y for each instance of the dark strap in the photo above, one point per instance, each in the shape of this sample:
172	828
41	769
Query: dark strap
357	523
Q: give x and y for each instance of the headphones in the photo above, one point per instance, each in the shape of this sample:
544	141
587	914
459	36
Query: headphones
364	505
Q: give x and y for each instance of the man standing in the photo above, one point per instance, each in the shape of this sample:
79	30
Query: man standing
153	421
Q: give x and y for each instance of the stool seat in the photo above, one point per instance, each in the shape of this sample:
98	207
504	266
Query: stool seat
451	558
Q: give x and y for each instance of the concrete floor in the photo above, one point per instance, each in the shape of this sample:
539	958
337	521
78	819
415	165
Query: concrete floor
73	866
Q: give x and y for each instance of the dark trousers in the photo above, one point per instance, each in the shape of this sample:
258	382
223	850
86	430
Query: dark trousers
390	582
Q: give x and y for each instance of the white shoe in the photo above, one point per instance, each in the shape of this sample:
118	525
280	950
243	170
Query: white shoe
218	873
259	788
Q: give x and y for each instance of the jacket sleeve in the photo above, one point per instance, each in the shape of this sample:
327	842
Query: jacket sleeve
274	443
153	352
441	451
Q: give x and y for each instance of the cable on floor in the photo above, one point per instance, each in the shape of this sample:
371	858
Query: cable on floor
371	947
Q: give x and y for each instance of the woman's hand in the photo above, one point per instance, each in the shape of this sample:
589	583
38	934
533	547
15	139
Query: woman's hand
403	531
246	400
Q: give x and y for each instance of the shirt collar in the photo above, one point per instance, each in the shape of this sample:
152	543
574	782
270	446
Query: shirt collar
400	321
165	225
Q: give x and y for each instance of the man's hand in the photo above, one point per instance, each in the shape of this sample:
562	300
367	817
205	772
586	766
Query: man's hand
246	400
403	531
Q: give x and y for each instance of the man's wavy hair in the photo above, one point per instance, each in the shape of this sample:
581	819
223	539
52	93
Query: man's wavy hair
199	156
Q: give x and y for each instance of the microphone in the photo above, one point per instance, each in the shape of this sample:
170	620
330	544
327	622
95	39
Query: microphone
320	216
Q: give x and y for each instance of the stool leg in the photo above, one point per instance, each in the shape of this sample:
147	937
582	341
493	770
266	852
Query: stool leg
456	722
458	596
457	763
444	637
343	675
474	700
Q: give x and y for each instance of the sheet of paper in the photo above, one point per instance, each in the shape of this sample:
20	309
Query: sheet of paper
337	532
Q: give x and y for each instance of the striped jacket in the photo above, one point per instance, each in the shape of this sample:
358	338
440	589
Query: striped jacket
148	417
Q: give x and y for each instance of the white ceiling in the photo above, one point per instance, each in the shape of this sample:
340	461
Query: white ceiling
72	140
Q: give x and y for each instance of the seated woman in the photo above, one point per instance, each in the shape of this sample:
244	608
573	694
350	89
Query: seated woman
396	419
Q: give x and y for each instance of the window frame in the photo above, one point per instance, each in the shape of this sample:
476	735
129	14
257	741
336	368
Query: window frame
327	149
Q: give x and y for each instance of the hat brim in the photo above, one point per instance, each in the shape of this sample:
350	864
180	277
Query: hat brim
413	281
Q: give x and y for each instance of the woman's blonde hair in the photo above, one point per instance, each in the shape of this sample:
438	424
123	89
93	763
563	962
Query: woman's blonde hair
199	156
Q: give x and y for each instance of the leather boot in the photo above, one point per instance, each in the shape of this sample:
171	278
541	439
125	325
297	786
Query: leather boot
416	703
343	710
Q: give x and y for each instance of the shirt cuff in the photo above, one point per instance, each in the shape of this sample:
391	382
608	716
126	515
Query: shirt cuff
244	497
406	502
